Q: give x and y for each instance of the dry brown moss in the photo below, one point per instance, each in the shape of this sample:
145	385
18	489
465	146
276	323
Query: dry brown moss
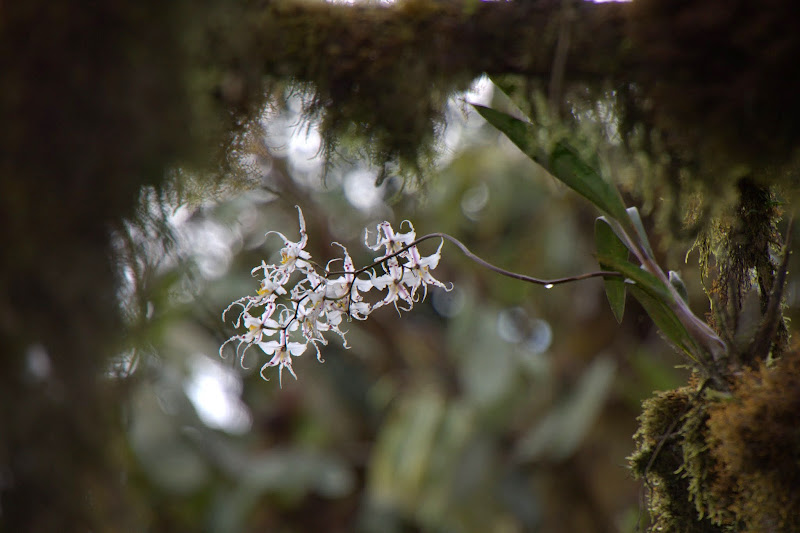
755	440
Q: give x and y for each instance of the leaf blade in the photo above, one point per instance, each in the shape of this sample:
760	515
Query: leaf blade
562	162
667	322
608	244
656	298
636	221
643	279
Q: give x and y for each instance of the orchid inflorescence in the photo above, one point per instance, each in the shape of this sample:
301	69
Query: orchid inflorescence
283	322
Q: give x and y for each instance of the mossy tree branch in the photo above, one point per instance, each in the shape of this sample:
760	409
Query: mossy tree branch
710	74
384	72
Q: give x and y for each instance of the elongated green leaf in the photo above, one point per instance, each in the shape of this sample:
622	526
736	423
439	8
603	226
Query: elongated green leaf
642	278
655	297
562	162
608	244
519	94
667	322
520	132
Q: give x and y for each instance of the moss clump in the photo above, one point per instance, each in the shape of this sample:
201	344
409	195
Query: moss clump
374	77
744	249
672	458
755	441
716	463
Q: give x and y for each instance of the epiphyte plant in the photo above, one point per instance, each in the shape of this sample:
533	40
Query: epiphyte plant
619	233
283	321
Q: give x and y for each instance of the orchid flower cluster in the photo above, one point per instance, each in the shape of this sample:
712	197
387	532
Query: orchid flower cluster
283	321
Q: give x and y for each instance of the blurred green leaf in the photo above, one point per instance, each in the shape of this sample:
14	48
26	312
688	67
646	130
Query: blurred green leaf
562	162
418	457
291	473
161	446
564	428
485	379
402	452
608	244
301	471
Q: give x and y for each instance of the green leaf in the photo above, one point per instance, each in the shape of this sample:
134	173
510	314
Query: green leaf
679	286
656	298
562	162
667	322
636	219
608	244
642	278
518	93
520	132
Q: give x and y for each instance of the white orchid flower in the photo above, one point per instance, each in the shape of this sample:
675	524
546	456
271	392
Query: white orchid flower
263	325
418	271
257	328
270	290
293	255
282	352
393	242
395	290
320	300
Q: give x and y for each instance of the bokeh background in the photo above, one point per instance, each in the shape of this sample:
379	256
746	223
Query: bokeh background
499	406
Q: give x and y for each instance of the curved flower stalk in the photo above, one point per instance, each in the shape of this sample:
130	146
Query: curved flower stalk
320	301
620	233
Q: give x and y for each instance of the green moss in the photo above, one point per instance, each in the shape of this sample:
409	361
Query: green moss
724	463
672	457
741	253
714	75
378	77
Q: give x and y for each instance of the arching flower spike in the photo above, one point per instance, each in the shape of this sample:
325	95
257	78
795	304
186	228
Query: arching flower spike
320	301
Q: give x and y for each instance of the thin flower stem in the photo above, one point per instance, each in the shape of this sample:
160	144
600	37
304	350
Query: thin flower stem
467	252
528	279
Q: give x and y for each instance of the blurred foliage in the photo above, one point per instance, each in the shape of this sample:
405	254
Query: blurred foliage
496	407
